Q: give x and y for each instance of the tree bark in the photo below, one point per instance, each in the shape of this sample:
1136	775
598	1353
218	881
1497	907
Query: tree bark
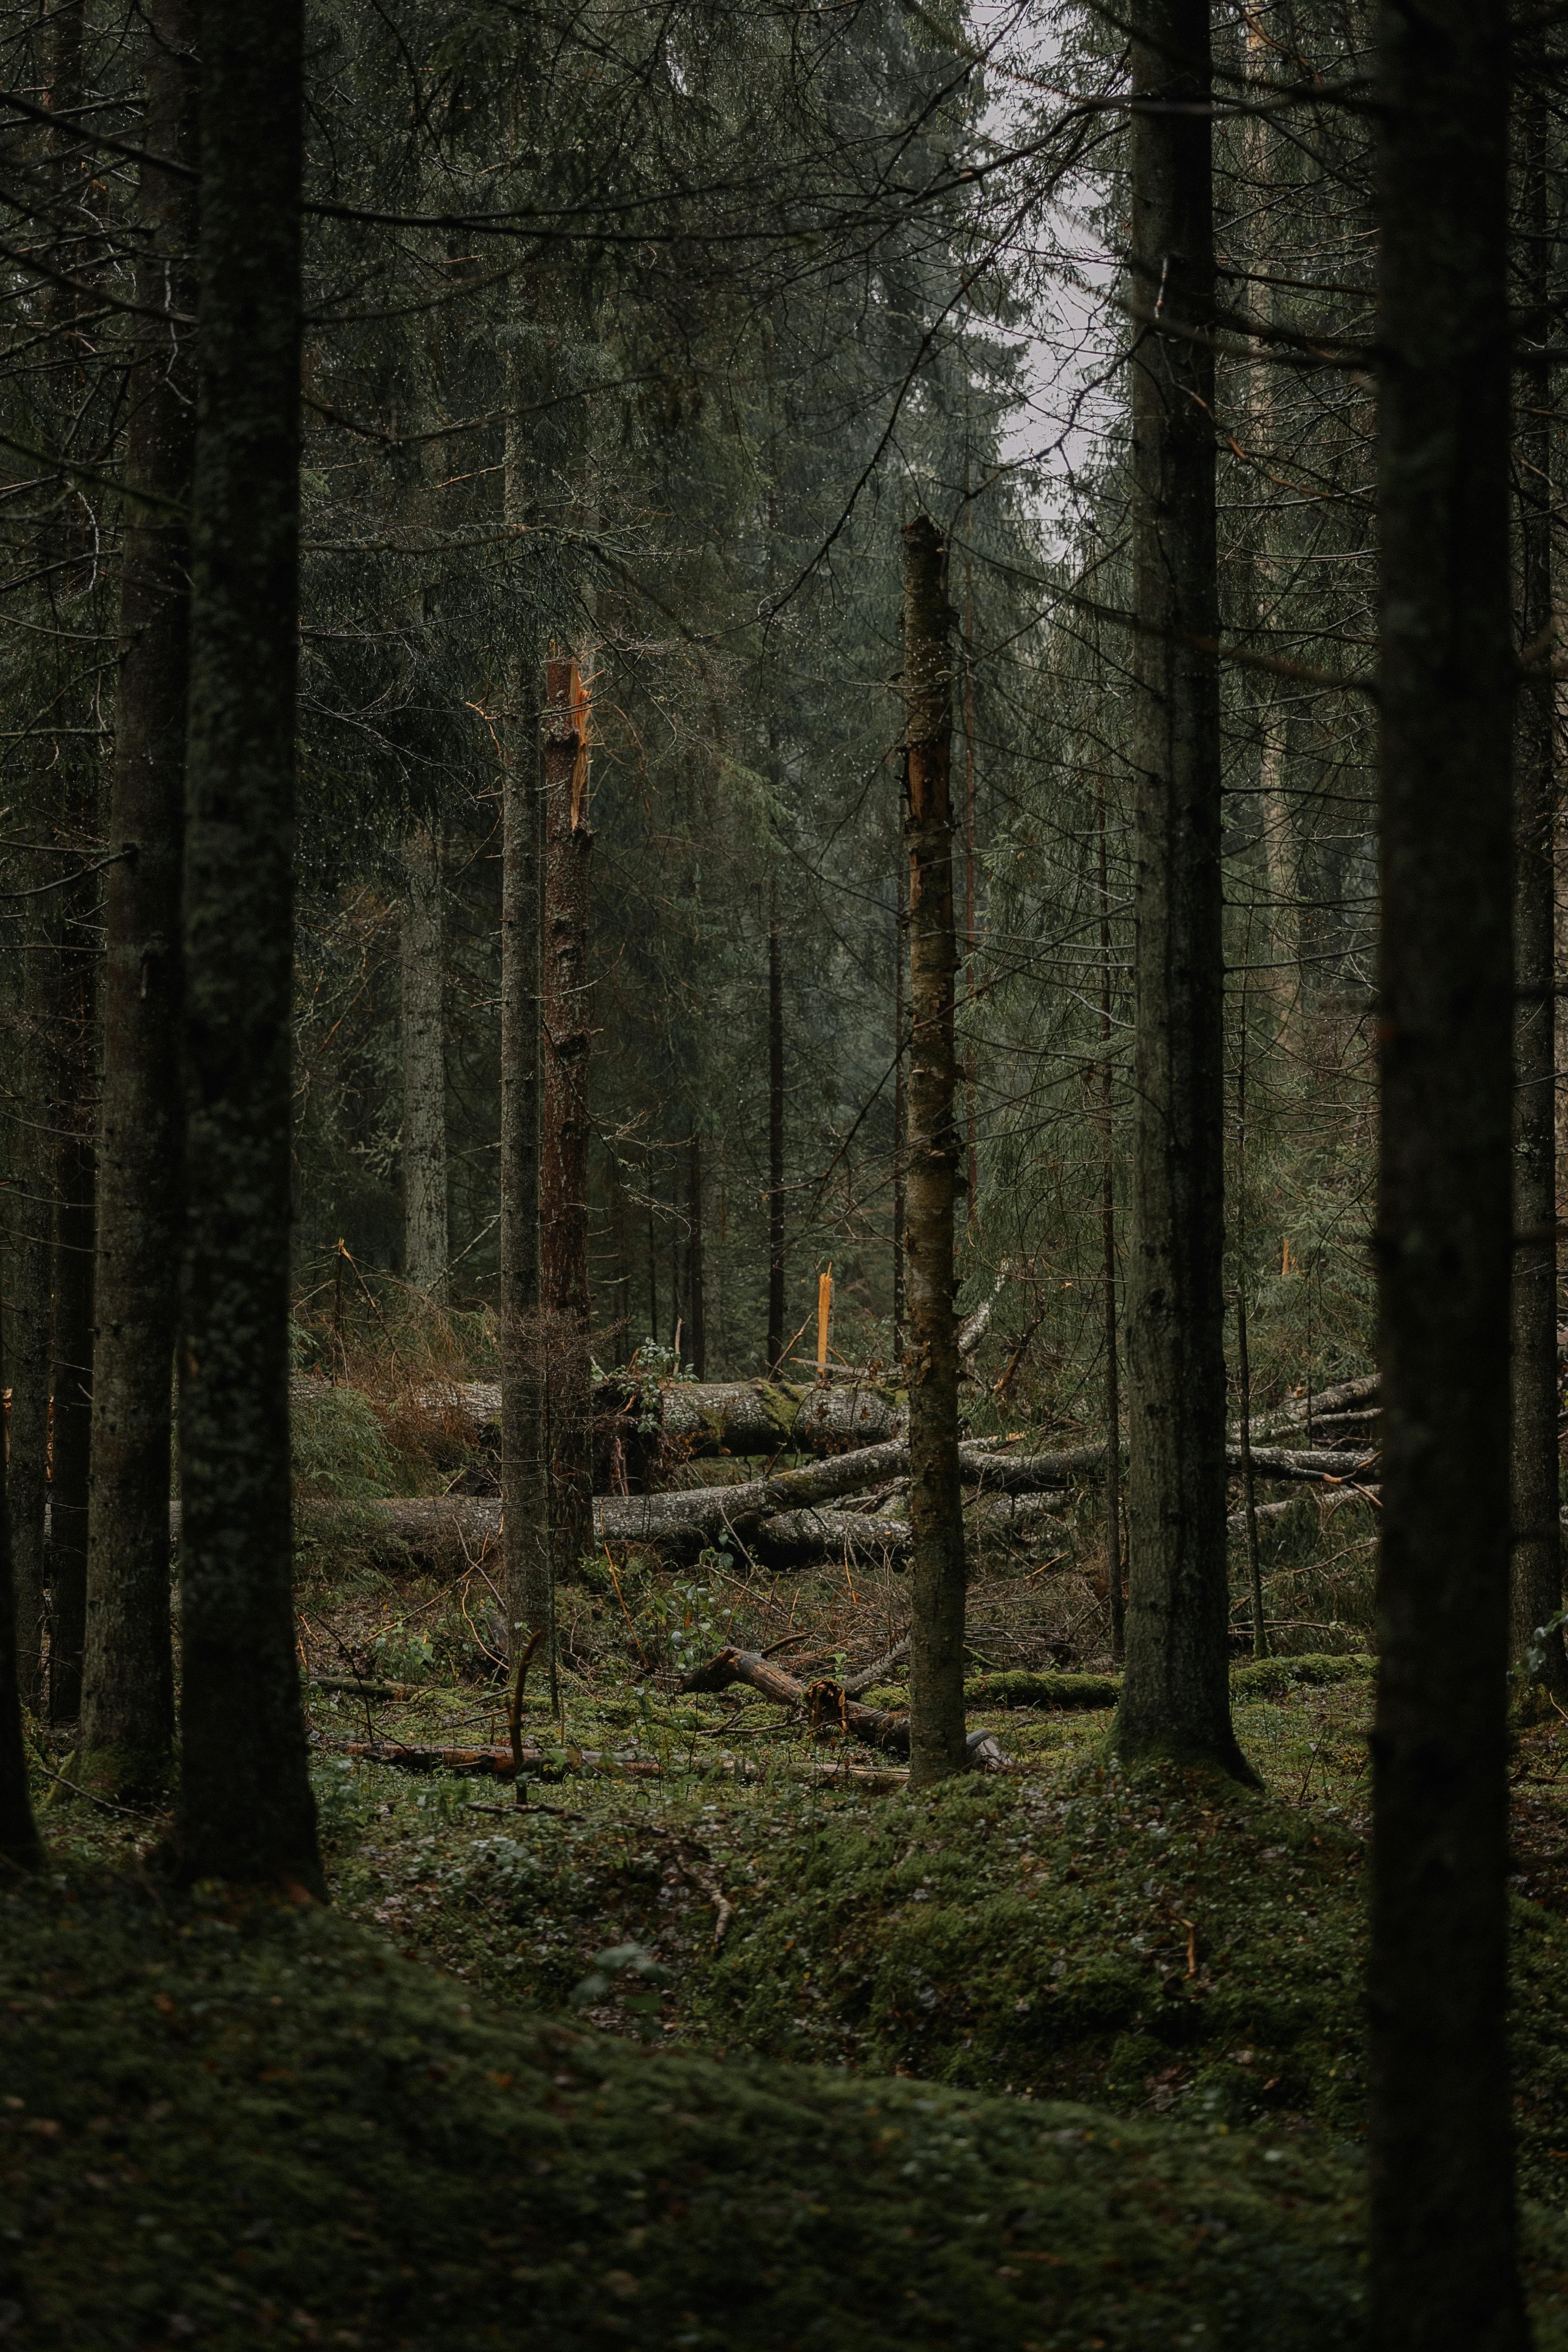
76	1189
1175	1699
935	1148
1115	1590
568	847
245	1810
695	1278
1443	2267
777	1335
901	1106
422	957
19	1841
524	1474
29	1352
128	1711
1536	1581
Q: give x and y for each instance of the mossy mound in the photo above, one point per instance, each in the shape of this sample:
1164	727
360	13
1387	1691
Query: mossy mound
228	2125
1155	1942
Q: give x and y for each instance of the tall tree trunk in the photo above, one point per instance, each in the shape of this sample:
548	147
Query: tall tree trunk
900	1102
1114	1589
1537	1572
936	1150
694	1255
128	1709
246	1811
568	847
524	1477
1443	2275
775	1134
422	957
1175	1697
70	1433
19	1841
29	1335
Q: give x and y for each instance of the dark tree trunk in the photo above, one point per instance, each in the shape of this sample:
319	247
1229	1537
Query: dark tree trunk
901	1103
775	1135
128	1717
422	960
694	1256
568	846
30	1348
1537	1576
1443	2276
935	1149
1115	1593
524	1477
70	1433
246	1811
1176	1699
19	1842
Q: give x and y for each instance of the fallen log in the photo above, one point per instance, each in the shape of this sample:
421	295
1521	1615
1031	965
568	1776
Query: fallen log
1298	1412
873	1779
1319	1498
858	1535
710	1416
827	1705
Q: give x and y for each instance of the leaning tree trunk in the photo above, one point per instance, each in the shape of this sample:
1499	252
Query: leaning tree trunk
1443	2273
128	1709
1537	1573
934	1150
423	959
1175	1699
76	1189
568	846
246	1811
524	1468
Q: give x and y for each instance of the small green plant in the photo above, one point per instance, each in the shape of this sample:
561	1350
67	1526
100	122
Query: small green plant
634	1960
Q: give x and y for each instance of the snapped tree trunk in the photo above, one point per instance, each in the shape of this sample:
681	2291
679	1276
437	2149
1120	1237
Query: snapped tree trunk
423	959
246	1811
776	1333
128	1701
568	847
934	1147
1176	1699
1537	1572
1442	2252
524	1470
76	1188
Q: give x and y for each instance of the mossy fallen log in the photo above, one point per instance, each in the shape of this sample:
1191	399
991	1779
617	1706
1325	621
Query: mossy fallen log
1262	1678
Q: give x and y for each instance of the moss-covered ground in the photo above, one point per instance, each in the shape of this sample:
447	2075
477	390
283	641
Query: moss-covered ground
1059	2057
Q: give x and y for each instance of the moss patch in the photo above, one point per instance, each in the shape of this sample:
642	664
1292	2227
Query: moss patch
228	2126
1163	1942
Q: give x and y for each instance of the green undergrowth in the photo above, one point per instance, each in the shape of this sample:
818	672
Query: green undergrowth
1158	1942
227	2126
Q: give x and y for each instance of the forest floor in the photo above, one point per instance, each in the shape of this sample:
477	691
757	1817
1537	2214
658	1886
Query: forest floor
1055	2057
703	2043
